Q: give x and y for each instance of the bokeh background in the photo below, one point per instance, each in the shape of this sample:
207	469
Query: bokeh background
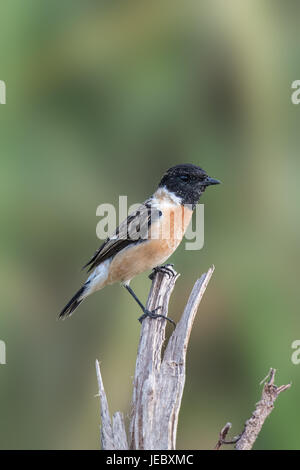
103	97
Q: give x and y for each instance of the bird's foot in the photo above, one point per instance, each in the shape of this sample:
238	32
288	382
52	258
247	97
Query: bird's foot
152	314
162	269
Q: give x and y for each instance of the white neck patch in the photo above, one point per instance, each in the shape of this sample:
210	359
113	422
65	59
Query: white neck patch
167	197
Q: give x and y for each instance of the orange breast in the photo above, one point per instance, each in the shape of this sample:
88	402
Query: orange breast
172	225
164	237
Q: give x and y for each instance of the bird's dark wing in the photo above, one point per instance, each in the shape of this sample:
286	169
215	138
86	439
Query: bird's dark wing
133	230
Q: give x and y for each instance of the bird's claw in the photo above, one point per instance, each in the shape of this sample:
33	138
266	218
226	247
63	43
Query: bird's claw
162	269
152	314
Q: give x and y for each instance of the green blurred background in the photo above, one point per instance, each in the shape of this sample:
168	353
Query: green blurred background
103	97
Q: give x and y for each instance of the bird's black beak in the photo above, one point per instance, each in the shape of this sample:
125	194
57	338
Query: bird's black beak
209	181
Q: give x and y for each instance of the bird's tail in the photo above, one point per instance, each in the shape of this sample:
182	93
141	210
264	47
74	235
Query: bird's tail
73	303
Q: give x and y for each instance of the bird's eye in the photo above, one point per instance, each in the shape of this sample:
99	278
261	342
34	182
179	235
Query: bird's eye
184	178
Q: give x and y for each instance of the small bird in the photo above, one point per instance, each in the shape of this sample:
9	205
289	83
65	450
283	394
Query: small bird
147	238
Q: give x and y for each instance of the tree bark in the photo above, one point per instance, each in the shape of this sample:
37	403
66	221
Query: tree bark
159	377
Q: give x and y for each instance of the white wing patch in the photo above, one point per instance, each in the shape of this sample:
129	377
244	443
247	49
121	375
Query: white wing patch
98	277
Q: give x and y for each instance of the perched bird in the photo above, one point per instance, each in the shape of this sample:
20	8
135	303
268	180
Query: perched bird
147	238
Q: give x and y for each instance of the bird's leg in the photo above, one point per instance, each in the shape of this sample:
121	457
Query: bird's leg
146	312
163	269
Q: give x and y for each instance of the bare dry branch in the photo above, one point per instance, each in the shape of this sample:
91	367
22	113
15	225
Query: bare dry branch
263	409
113	434
159	378
253	425
222	437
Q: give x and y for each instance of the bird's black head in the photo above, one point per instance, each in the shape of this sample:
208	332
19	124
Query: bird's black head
186	182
